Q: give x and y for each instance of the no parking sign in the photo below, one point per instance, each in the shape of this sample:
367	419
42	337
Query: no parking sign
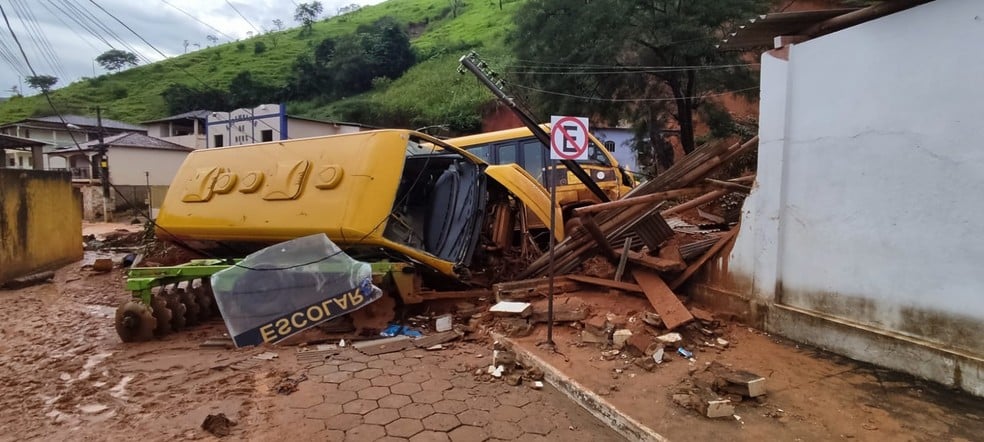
568	138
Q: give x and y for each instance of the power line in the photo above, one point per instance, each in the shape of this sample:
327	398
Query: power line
628	71
68	26
151	45
101	25
37	37
82	24
227	36
185	71
627	100
258	32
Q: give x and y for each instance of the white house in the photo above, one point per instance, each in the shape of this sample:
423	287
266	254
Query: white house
55	131
186	129
141	168
862	234
269	122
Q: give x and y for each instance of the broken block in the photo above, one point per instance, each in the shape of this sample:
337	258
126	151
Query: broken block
670	338
620	336
589	336
102	265
509	308
638	343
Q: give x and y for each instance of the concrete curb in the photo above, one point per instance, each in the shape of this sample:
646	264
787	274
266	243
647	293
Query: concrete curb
621	423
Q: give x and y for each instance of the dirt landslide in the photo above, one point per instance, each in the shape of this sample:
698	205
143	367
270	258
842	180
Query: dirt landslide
65	375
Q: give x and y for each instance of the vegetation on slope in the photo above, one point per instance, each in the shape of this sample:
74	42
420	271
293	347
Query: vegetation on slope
432	92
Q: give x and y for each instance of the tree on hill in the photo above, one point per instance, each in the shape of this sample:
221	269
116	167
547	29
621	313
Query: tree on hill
306	14
347	65
653	61
182	98
41	82
116	59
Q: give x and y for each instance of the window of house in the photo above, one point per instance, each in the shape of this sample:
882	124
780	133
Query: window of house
218	141
610	145
11	161
266	135
20	160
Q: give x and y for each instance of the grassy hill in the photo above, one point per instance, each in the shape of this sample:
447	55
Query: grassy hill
432	92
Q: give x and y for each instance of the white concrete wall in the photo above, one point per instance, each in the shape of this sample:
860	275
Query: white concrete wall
304	128
127	165
868	200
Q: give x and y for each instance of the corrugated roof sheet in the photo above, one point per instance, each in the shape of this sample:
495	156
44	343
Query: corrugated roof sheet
80	120
130	139
195	114
11	142
760	31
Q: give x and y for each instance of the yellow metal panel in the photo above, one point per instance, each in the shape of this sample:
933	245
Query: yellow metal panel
277	197
526	188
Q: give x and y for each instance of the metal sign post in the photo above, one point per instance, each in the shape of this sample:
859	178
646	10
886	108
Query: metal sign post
553	242
568	141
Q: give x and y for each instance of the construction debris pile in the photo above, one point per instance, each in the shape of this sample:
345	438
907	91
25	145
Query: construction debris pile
638	246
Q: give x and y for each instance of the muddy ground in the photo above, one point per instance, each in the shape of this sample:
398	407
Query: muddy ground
65	375
812	394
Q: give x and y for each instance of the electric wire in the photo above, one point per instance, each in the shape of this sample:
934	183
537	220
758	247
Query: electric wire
217	30
234	8
58	17
106	28
629	100
82	24
37	38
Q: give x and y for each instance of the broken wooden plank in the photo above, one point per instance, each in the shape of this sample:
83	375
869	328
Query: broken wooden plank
655	262
437	338
696	265
385	345
644	199
527	288
661	297
623	259
729	185
599	238
625	286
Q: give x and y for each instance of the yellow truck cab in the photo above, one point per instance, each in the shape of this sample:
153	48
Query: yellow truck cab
385	195
519	146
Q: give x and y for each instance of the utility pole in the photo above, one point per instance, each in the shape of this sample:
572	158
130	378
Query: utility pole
101	149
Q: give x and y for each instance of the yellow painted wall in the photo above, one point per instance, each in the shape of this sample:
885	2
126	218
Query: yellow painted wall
40	222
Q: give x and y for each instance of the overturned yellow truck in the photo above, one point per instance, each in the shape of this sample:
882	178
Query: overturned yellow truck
432	220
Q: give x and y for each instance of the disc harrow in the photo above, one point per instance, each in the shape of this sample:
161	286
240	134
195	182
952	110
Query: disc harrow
167	299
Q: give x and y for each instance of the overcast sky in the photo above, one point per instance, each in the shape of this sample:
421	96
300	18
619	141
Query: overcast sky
72	47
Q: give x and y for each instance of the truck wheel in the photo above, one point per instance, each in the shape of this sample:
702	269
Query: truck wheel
135	322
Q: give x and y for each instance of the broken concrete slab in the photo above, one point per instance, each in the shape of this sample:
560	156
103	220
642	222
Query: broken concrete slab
385	345
436	339
620	336
670	338
512	308
741	382
565	309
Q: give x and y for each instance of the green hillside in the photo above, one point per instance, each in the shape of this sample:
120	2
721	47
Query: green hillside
432	92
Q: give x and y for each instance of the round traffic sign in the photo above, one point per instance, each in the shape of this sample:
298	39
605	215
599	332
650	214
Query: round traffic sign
569	139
